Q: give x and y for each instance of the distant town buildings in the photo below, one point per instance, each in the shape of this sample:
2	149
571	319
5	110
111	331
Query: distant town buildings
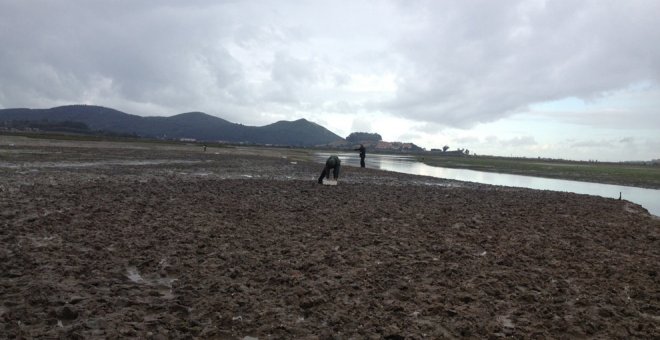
396	146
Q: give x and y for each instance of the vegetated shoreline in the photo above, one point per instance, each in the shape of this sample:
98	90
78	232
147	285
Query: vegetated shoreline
635	175
232	243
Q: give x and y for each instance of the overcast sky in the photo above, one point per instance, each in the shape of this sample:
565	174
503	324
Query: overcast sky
565	79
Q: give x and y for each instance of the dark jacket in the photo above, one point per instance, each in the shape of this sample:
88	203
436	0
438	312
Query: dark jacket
332	162
363	151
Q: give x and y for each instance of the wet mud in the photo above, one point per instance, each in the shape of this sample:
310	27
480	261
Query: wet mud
174	243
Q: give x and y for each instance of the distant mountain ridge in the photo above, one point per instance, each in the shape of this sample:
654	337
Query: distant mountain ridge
196	125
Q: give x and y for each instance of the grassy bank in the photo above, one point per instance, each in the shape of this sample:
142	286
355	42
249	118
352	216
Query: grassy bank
639	175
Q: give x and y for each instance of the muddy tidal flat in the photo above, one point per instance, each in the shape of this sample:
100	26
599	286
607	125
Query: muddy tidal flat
145	240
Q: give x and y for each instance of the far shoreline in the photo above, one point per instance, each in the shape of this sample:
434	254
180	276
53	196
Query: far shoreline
633	174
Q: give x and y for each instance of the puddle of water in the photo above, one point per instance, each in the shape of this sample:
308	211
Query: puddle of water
202	174
133	275
505	321
163	282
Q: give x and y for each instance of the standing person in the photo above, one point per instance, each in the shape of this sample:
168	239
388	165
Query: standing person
363	153
333	163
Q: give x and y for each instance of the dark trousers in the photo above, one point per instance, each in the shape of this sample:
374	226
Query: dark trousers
362	162
326	173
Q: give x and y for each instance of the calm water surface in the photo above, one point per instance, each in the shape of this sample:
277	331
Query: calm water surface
648	198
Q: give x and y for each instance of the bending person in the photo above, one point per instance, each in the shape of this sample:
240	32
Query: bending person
333	163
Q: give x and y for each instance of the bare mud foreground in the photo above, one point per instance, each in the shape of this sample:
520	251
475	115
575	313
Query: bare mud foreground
110	242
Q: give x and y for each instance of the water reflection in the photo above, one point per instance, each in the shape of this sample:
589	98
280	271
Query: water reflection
648	198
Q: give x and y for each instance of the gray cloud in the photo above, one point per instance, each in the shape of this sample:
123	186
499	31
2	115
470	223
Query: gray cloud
483	60
454	63
287	76
127	52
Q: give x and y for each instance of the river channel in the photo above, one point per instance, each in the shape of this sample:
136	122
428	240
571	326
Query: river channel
648	198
